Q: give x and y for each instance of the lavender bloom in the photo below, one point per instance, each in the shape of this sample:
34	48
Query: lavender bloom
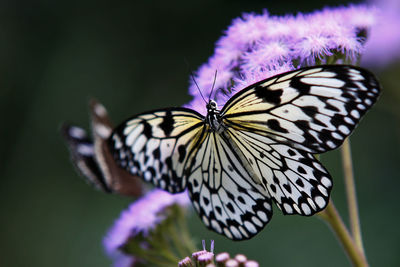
256	47
122	260
383	46
142	217
207	258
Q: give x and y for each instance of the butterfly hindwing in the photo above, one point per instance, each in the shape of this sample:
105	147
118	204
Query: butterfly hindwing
157	145
313	109
223	193
295	180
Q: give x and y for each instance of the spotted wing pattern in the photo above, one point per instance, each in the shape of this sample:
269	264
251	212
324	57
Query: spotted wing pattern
296	181
223	192
158	146
313	109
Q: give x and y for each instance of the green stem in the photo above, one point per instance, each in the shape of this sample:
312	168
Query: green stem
332	217
185	234
351	195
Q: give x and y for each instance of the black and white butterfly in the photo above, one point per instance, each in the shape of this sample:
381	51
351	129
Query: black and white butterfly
259	147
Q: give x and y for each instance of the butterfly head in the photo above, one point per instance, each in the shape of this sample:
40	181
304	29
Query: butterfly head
212	106
214	117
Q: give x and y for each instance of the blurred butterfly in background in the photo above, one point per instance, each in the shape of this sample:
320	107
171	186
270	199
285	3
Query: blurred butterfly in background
259	147
92	158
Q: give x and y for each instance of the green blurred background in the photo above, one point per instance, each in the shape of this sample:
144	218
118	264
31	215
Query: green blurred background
55	55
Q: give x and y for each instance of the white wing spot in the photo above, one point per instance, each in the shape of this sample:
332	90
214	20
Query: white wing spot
117	142
355	114
344	129
312	204
215	226
147	176
287	208
256	221
349	120
337	136
323	190
103	130
368	101
325	74
241	229
306	209
267	205
250	227
361	106
235	232
361	86
262	216
323	82
163	184
331	144
85	149
310	71
227	233
100	110
205	220
296	208
320	201
326	182
77	133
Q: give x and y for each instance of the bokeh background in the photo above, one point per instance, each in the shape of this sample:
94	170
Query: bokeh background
55	55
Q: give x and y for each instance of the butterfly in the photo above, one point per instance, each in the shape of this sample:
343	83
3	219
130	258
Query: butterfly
92	158
258	149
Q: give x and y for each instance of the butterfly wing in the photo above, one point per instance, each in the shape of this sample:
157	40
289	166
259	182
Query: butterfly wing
313	109
92	157
83	156
174	148
223	193
295	180
159	145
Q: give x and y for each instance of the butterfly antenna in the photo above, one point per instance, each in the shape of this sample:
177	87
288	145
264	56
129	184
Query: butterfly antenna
198	88
194	80
212	88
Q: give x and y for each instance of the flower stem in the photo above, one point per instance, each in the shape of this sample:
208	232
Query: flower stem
332	217
351	195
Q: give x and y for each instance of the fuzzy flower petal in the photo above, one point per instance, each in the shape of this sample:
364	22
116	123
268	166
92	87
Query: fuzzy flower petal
256	46
141	217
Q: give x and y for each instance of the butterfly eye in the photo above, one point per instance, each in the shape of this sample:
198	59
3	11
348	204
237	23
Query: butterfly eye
212	104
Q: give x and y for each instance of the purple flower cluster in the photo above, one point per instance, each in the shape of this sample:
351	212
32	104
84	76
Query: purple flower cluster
141	217
256	47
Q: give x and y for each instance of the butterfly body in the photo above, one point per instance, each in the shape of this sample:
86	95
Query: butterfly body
213	118
257	149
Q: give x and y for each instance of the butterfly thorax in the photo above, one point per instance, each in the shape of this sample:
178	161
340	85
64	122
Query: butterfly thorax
213	118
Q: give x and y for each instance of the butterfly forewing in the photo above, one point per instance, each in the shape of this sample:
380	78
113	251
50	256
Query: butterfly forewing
223	193
313	109
158	145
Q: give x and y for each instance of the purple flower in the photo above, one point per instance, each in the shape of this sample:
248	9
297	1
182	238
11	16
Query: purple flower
142	217
256	47
122	260
383	46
